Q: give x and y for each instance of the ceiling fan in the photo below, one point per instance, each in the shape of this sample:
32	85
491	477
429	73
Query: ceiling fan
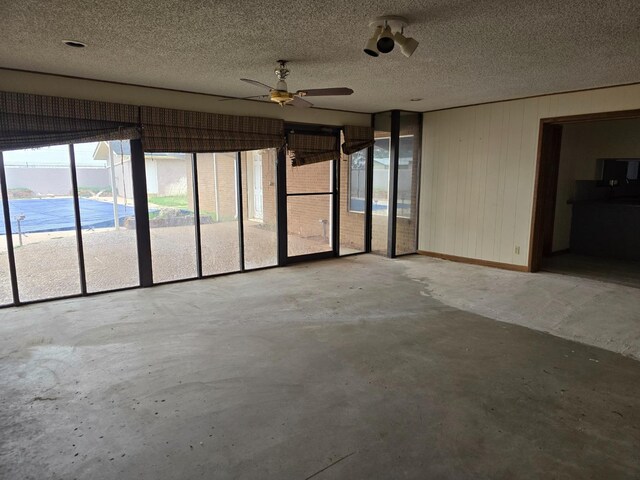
280	93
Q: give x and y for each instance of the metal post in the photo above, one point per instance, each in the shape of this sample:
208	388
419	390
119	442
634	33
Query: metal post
114	196
19	219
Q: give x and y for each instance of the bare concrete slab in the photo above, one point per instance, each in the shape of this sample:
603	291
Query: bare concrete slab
347	368
601	313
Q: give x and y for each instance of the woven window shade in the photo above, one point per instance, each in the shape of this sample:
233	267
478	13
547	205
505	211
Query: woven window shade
356	138
306	149
168	130
29	121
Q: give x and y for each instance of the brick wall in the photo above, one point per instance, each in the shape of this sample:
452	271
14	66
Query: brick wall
309	216
268	158
306	213
351	223
219	168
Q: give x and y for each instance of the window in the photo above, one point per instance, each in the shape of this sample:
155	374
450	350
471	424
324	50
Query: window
107	215
218	203
405	176
260	215
43	222
353	194
357	181
171	217
6	293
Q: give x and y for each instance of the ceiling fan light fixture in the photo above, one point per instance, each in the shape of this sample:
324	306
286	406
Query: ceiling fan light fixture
407	45
385	41
370	47
281	95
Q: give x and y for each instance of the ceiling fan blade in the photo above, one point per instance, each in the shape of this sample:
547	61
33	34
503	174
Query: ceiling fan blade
256	83
299	102
320	92
243	98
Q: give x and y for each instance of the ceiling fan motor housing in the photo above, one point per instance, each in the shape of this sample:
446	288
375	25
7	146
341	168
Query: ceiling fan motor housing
281	97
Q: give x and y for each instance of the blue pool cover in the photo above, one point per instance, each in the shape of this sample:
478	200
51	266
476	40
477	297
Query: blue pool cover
56	214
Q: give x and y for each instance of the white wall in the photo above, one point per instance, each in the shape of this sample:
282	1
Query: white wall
43	84
478	171
582	145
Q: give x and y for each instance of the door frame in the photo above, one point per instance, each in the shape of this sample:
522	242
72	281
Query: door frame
281	171
546	179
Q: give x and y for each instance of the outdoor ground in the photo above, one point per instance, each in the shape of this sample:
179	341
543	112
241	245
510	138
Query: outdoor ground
47	263
354	368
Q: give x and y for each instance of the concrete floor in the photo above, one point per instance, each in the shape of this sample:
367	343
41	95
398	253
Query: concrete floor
111	259
351	368
598	313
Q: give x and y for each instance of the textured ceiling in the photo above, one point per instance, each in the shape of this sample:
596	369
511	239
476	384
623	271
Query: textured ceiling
471	51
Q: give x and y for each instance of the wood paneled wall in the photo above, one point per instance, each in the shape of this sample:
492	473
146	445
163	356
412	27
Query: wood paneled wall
479	168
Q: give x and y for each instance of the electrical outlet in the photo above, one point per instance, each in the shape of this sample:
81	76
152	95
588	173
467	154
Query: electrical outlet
517	249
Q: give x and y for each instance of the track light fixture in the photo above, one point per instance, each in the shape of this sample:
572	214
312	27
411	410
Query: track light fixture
407	45
385	41
389	30
371	48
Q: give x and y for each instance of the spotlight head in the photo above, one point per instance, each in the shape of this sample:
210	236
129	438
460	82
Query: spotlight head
370	47
408	45
385	41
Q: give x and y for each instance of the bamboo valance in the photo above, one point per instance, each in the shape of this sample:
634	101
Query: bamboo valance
168	130
308	148
356	138
30	121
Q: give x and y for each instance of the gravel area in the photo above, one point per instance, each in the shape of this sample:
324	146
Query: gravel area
47	264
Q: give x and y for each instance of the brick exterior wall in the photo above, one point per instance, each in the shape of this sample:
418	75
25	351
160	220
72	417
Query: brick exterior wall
212	168
309	217
307	213
269	193
351	223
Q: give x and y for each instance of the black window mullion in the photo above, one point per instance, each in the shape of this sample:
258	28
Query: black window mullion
196	214
141	208
281	184
368	220
394	157
76	211
8	233
335	230
307	194
240	209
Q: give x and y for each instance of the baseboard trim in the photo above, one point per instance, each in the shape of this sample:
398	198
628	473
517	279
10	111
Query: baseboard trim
475	261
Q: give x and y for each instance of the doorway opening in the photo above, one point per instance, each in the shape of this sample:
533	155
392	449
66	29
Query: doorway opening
587	203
